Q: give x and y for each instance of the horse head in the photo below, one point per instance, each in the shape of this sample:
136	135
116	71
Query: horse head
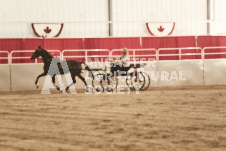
38	53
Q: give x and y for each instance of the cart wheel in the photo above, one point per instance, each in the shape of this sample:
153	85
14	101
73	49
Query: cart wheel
135	81
109	83
129	82
147	81
97	82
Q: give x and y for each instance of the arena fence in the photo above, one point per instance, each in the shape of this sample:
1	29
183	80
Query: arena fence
196	66
214	53
23	56
4	57
87	55
180	53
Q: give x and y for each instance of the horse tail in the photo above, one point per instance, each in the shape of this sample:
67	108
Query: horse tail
89	70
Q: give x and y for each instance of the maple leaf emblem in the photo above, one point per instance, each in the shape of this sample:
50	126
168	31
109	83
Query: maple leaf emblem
160	29
47	30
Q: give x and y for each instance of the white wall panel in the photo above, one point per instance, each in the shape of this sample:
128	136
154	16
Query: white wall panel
192	71
24	75
157	11
27	11
218	27
214	72
4	77
24	12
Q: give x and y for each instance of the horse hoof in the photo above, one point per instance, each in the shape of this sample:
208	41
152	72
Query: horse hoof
97	89
63	91
37	86
88	90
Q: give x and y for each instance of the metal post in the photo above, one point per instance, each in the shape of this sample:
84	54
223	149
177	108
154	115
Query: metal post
110	26
203	54
134	61
179	53
86	56
210	16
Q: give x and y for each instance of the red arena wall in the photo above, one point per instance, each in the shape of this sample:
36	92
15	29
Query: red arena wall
116	43
112	43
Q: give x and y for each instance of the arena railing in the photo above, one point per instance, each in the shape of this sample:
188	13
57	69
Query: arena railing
150	54
105	53
5	58
197	51
212	51
26	54
76	53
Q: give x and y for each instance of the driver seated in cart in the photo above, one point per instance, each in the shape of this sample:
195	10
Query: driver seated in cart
122	63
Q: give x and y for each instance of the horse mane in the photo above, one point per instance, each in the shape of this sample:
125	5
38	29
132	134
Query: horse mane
46	53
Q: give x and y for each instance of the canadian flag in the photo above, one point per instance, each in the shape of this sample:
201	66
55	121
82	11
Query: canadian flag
47	30
160	28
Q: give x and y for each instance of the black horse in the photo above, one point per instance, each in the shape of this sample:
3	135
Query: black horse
75	68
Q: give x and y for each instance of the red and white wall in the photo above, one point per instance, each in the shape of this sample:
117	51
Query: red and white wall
86	26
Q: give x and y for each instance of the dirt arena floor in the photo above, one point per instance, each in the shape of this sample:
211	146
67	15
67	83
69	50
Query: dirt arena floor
174	119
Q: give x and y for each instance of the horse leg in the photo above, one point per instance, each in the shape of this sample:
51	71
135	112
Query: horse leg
74	81
54	84
41	75
83	79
